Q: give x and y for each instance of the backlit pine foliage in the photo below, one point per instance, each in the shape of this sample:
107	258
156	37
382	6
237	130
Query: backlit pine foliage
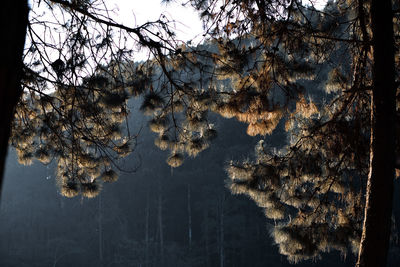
261	55
80	128
77	80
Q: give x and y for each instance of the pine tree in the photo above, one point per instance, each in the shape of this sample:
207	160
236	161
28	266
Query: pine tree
72	108
266	51
256	66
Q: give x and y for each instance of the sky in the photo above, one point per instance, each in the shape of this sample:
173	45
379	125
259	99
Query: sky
137	12
187	27
187	24
133	13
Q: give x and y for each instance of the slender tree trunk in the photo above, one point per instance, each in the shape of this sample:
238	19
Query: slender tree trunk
147	228
13	23
160	223
378	209
221	231
100	232
396	212
189	208
206	230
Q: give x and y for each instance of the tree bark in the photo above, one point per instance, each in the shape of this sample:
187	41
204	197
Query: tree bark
147	227
160	223
221	231
189	209
100	223
13	23
378	209
206	230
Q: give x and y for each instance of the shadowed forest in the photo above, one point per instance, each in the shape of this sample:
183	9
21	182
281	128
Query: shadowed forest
272	140
40	227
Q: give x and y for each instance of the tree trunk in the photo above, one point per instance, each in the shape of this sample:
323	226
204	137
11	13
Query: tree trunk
206	230
189	208
100	223
160	223
221	231
13	23
378	209
147	228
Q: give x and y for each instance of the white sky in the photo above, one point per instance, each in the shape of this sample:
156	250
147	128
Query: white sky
187	24
140	11
133	13
137	12
187	27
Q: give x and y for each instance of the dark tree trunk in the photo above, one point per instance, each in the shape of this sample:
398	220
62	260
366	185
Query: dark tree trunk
160	222
376	229
13	22
100	224
147	216
221	231
189	210
206	241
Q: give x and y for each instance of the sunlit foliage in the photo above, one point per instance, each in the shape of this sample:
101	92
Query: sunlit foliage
256	68
81	128
76	85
